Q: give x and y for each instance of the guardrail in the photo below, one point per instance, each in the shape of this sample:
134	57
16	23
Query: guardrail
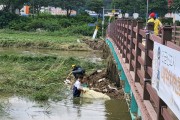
176	34
135	47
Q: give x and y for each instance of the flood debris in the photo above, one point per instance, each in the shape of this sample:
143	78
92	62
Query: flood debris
106	80
90	93
98	81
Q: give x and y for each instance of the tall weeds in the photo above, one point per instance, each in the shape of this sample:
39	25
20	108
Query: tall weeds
38	77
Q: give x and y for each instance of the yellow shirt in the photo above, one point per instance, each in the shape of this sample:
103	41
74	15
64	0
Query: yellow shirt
150	20
157	24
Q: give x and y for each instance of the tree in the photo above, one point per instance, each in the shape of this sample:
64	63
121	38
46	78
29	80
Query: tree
129	6
139	6
68	5
107	4
95	5
158	6
37	4
175	7
12	5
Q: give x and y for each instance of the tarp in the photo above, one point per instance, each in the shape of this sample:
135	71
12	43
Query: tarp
93	94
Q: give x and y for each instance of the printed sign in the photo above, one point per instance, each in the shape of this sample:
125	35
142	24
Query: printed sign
166	76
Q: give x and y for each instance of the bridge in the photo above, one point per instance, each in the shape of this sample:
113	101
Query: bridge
148	66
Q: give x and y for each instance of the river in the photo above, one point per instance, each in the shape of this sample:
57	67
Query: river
14	107
18	108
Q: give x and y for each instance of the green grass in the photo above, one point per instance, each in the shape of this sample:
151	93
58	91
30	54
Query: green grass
43	40
38	77
36	36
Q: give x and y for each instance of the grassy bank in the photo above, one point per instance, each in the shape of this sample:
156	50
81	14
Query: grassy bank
38	77
41	40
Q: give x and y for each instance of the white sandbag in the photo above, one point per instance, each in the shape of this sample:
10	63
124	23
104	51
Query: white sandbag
93	94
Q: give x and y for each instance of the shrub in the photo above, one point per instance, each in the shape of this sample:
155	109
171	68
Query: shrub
82	29
167	21
20	23
6	17
64	25
177	23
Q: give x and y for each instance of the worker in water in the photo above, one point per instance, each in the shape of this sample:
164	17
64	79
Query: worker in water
77	88
77	70
85	81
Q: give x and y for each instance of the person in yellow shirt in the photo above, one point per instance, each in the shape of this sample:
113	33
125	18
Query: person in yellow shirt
157	25
152	17
150	24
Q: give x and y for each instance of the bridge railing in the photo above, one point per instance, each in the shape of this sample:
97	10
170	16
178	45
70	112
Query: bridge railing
176	34
136	48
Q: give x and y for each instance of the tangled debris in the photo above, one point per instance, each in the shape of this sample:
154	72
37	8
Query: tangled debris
106	81
94	44
99	82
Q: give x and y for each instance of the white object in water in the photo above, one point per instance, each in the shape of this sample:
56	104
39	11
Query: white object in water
78	41
100	80
112	88
67	81
94	95
99	71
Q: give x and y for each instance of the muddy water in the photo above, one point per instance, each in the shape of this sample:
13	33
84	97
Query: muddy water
16	108
19	108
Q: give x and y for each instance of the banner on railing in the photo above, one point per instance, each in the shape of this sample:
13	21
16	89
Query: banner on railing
166	76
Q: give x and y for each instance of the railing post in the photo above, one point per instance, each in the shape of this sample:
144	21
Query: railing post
150	26
121	35
123	38
147	63
166	34
146	95
174	37
115	32
138	50
127	41
132	45
112	31
147	59
161	104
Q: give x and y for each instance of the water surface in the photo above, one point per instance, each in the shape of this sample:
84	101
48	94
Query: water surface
18	108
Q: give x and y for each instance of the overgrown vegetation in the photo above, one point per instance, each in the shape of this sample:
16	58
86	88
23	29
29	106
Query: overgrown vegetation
39	77
74	25
41	40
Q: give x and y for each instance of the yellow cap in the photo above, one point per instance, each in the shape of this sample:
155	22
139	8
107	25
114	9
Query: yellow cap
97	27
73	65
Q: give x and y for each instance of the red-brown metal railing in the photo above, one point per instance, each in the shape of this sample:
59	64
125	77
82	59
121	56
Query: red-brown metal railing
176	34
135	47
